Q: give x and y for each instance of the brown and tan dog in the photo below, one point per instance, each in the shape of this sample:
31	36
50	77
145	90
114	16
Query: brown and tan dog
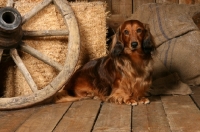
123	76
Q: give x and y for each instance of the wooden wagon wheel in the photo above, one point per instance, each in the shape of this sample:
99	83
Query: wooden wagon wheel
10	25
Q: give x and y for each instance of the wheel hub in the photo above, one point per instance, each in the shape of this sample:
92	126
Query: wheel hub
10	28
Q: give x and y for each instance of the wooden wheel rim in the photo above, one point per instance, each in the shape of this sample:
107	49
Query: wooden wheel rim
72	57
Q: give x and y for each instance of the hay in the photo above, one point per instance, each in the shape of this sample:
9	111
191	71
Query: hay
91	19
92	24
3	3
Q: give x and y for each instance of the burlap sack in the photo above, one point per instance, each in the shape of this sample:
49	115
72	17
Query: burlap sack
177	38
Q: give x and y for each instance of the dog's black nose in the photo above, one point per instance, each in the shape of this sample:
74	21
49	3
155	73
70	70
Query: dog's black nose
134	44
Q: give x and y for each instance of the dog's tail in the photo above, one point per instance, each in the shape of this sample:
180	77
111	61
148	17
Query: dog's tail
63	96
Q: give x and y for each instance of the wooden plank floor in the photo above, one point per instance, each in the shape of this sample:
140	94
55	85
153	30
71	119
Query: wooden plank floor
163	114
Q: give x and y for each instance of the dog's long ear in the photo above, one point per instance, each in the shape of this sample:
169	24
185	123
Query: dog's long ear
148	44
117	46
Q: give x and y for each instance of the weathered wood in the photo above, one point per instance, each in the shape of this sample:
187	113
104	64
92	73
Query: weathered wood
140	119
35	10
40	56
196	90
167	1
10	3
182	113
157	116
137	3
46	33
196	99
126	8
1	53
109	5
171	113
150	118
11	120
113	118
73	42
23	70
80	117
186	1
115	7
70	63
196	95
45	119
121	7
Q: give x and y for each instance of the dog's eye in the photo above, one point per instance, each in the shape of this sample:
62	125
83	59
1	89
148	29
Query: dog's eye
126	32
139	30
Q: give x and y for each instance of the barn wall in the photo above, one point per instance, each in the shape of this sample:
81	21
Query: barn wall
120	10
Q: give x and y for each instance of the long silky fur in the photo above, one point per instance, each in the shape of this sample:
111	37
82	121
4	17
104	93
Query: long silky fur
121	76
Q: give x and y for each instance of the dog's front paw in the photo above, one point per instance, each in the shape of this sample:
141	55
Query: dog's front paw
144	100
131	102
116	100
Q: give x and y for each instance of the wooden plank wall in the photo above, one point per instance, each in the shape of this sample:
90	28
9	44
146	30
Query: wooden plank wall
120	10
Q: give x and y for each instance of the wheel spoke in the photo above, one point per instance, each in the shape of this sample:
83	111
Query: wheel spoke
10	3
35	10
23	69
41	56
46	33
1	53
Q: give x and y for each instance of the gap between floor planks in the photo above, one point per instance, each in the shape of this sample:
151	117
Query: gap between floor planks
165	113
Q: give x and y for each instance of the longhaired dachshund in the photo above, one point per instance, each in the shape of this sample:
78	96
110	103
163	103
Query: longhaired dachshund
123	76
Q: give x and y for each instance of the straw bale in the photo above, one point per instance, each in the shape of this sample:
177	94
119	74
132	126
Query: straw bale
92	24
3	3
91	19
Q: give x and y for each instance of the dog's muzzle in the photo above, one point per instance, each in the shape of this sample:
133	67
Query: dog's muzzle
134	44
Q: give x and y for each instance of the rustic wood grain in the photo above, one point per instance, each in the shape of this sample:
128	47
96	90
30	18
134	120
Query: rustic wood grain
196	99
11	120
121	7
195	90
46	33
45	119
23	70
35	10
113	118
196	95
140	119
182	113
150	118
186	1
35	53
157	116
80	117
167	1
72	57
137	3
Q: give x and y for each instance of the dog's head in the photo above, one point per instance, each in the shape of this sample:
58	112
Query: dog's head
133	35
